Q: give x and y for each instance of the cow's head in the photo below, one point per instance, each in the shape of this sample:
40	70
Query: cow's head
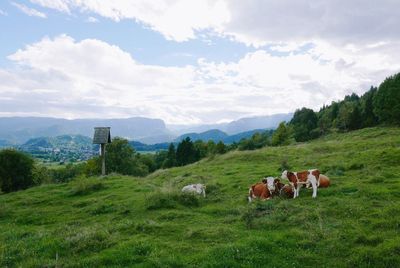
284	174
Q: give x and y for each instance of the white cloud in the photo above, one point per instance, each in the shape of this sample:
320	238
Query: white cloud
3	13
92	20
176	20
29	11
91	78
60	5
254	22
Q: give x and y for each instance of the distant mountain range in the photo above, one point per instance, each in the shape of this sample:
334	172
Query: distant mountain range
18	130
237	126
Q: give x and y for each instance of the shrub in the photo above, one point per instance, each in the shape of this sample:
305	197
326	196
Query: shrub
16	171
188	199
160	200
67	173
41	175
260	209
83	186
284	165
213	189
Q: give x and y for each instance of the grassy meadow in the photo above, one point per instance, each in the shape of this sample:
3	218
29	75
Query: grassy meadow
120	221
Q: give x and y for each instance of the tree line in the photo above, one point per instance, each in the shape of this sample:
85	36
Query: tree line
378	106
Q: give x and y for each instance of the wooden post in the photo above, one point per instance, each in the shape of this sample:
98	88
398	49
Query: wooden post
102	136
103	159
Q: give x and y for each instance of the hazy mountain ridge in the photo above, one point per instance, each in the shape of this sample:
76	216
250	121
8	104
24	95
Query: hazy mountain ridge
235	127
18	130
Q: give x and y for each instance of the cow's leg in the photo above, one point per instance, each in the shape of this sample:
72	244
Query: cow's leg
298	189
294	190
313	182
204	193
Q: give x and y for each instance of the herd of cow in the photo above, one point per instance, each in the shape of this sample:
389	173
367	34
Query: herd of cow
270	186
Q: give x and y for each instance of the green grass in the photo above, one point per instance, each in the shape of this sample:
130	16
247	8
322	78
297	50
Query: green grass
126	221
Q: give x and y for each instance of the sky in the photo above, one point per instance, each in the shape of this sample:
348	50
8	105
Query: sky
191	62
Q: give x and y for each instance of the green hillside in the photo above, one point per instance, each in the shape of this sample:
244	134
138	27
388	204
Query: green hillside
126	221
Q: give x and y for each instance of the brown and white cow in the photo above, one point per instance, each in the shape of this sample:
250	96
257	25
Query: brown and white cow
266	189
297	179
286	191
323	181
259	190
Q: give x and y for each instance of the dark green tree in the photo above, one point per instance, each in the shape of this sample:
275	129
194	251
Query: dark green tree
211	150
355	118
387	100
16	171
159	158
281	135
201	147
343	119
170	161
186	153
304	121
369	117
220	148
120	158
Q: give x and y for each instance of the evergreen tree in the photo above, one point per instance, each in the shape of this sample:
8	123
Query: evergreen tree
355	118
368	114
387	100
170	161
186	153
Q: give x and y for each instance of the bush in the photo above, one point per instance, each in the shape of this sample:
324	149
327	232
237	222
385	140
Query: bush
67	173
188	199
41	175
284	165
160	200
16	171
83	186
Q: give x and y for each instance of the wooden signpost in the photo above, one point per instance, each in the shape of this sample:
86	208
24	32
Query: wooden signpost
102	136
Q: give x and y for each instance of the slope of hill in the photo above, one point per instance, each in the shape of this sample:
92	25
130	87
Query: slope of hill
65	147
249	123
123	221
213	134
218	135
141	147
